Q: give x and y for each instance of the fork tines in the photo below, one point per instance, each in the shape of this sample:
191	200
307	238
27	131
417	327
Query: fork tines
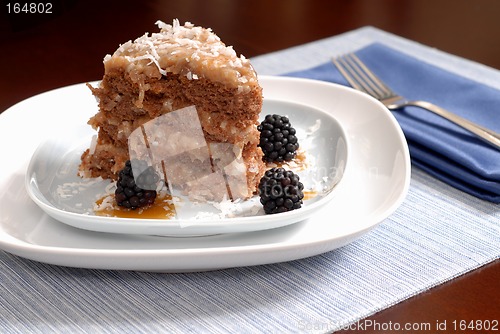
360	77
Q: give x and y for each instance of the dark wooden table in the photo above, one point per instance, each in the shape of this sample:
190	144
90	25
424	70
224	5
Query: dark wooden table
39	52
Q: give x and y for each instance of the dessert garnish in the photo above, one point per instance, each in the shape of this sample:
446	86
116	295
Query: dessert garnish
280	190
277	139
136	192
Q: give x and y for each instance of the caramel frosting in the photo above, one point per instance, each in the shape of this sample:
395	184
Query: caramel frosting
186	50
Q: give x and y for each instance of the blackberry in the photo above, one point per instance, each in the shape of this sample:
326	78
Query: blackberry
280	190
136	192
277	139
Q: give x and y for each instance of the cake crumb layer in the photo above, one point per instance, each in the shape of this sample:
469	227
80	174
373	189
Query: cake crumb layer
178	67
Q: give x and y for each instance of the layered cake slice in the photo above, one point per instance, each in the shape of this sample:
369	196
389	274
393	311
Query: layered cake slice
180	70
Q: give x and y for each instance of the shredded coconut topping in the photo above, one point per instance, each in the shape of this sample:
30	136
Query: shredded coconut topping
187	50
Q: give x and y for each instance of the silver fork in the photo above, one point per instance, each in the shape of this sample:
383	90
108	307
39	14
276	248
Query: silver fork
363	79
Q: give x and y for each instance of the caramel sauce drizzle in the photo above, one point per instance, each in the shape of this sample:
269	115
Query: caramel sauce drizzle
297	164
162	208
308	194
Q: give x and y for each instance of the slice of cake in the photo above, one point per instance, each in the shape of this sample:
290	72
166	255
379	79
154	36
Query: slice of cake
179	67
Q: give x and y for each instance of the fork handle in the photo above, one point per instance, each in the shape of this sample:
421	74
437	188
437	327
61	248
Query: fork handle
487	135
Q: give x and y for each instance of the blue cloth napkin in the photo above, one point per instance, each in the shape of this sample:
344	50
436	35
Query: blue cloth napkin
437	146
